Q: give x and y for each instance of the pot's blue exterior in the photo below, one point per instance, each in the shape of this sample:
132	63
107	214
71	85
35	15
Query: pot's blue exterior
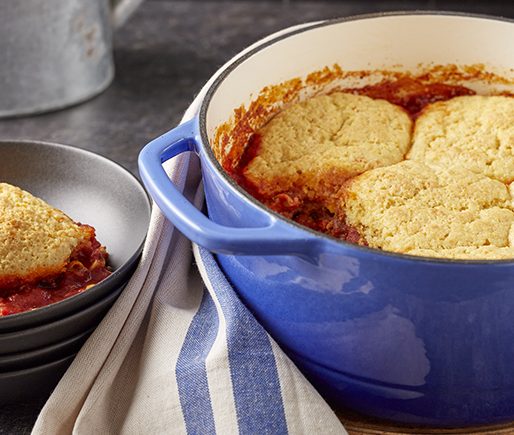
409	339
417	343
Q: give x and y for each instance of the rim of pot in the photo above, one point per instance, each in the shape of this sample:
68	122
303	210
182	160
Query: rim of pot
351	246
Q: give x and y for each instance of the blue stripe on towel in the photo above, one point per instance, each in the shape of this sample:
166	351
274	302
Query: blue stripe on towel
256	386
191	372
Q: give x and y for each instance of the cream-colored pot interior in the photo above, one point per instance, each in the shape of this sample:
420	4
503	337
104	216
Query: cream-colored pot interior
403	42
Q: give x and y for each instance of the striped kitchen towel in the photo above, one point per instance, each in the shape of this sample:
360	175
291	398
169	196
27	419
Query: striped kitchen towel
180	353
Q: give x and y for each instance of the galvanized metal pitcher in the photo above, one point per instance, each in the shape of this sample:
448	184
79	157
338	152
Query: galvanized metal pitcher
55	53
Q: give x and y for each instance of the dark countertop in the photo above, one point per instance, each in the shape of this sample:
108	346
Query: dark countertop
163	56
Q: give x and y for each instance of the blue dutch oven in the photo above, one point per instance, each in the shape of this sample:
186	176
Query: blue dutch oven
412	339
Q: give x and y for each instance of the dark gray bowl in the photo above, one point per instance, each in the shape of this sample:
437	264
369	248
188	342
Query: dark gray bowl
36	381
59	330
90	189
43	355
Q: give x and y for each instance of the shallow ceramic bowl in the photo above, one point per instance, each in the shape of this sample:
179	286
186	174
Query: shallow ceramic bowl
43	355
92	190
28	383
59	330
412	339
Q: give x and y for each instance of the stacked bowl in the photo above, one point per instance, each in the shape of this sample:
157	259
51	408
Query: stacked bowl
37	346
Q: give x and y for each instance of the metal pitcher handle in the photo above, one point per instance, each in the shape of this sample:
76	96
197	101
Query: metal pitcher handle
122	10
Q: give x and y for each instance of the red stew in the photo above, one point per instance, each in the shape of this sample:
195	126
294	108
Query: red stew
411	94
86	267
408	93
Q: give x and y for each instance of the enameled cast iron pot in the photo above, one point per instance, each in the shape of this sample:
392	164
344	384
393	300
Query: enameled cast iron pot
412	339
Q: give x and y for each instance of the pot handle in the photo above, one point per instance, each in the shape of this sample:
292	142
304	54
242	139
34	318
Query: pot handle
272	239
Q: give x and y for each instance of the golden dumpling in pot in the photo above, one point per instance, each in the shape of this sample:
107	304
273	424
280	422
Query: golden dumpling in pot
471	132
320	142
416	209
